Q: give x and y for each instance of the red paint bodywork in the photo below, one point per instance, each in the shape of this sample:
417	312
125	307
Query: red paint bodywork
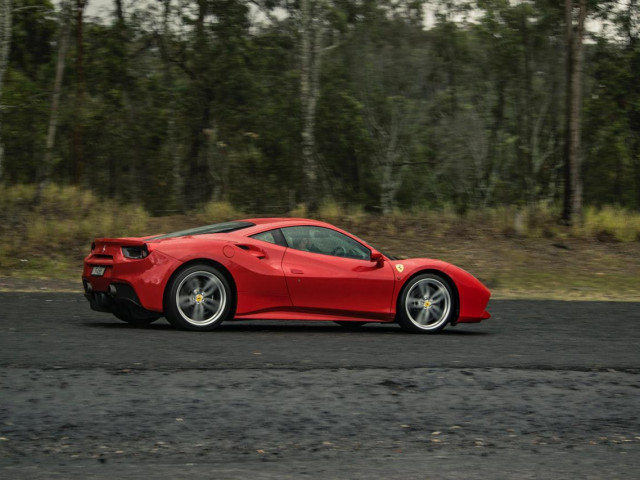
277	282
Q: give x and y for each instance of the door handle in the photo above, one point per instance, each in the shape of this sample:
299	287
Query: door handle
297	271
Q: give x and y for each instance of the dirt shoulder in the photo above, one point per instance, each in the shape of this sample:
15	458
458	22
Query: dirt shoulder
570	269
17	284
512	268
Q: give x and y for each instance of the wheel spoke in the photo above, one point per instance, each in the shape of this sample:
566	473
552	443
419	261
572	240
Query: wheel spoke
210	287
211	304
436	310
193	284
198	312
415	302
184	301
438	296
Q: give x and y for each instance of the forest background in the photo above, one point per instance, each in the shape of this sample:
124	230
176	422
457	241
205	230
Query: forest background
426	117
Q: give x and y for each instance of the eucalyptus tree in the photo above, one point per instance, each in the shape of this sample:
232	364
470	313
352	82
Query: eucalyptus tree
46	168
612	110
312	15
394	69
5	44
575	17
517	58
312	24
26	76
79	100
629	22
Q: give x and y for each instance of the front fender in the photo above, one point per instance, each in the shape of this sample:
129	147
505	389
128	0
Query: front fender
472	294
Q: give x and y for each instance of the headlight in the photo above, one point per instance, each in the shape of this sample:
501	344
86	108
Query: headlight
135	252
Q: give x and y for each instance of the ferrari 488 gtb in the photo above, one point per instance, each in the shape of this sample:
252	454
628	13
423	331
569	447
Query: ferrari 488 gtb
275	268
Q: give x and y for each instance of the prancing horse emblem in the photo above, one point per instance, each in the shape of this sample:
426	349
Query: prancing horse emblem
400	267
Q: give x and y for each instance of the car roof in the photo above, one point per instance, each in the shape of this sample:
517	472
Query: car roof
285	222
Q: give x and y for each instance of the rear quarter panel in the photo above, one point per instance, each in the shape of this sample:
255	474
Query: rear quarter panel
260	282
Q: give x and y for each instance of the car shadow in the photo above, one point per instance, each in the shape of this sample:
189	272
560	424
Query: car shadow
257	326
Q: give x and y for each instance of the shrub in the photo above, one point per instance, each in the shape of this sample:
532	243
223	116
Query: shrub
330	211
611	223
214	212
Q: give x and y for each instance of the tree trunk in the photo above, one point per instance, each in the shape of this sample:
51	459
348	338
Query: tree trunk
635	157
47	163
633	116
176	161
198	185
76	138
119	12
311	60
391	152
572	210
5	45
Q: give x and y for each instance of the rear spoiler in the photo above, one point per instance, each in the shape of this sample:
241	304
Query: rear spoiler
126	241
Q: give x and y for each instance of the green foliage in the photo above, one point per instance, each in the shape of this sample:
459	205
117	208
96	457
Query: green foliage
462	116
33	31
612	166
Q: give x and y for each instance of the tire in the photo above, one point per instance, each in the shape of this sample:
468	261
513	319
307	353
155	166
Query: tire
427	304
199	298
351	325
138	321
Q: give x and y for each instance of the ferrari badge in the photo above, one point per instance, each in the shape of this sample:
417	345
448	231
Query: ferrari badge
400	267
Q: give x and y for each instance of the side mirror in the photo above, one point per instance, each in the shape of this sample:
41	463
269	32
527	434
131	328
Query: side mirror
377	257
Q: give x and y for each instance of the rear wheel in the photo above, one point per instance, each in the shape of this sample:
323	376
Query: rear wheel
199	298
427	304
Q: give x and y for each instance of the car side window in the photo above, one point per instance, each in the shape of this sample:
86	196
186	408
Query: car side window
325	241
266	236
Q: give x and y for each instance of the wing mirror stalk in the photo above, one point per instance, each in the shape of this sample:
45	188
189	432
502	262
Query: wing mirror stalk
378	258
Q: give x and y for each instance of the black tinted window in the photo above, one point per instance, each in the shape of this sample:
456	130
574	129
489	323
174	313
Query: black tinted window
266	236
225	227
325	241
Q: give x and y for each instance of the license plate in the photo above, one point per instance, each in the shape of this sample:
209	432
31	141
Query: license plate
98	271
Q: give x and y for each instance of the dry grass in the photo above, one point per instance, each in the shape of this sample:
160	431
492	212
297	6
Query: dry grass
48	238
517	253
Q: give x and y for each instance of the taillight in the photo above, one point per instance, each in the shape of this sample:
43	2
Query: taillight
135	252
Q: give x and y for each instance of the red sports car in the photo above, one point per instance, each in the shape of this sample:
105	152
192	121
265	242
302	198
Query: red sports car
275	268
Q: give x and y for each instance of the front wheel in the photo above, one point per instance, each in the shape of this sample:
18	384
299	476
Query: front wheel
199	298
427	304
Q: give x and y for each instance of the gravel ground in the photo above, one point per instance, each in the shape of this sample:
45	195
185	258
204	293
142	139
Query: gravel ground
541	390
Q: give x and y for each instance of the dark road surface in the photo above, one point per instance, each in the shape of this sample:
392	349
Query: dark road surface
541	390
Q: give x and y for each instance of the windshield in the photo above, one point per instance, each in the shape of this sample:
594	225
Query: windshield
225	227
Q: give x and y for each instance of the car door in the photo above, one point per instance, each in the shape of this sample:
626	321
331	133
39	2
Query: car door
327	271
257	270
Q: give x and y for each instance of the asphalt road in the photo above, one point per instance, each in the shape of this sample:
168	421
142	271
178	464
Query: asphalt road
541	390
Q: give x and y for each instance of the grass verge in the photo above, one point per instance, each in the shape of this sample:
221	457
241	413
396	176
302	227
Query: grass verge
516	253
